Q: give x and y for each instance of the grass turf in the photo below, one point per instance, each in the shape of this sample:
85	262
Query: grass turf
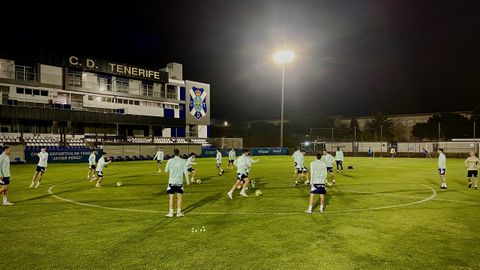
382	215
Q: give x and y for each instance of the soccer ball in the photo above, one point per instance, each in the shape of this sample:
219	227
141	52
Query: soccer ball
199	181
239	187
258	192
329	184
119	184
307	182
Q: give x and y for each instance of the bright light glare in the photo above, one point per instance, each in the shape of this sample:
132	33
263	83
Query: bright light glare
225	123
284	56
307	143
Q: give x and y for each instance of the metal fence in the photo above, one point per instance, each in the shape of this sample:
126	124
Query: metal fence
380	141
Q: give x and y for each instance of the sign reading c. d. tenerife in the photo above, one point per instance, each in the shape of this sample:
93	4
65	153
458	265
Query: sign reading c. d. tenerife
96	65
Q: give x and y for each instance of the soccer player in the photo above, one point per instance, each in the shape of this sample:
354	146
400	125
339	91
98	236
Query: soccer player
218	158
91	166
393	152
101	163
472	169
339	159
301	169
5	173
442	168
177	169
242	174
41	167
190	169
159	158
295	156
328	160
231	158
318	172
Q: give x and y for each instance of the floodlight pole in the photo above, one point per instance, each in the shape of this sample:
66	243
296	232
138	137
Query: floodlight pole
283	100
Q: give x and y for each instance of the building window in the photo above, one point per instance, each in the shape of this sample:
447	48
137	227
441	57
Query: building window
25	73
122	85
75	78
28	91
90	98
36	92
104	83
162	90
171	92
44	93
20	90
147	89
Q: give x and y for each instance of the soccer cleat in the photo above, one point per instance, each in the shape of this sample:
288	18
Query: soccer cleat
169	215
243	193
296	183
37	185
476	188
308	211
159	170
180	214
31	185
230	195
7	203
98	186
469	185
321	209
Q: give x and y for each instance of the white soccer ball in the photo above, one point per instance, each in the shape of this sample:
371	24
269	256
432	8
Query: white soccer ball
199	181
239	187
307	182
258	192
119	184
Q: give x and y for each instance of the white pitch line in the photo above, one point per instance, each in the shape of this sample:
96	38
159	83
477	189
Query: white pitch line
434	194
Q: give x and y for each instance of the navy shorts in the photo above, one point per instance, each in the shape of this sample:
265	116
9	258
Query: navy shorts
172	189
339	161
230	161
330	169
442	171
190	170
99	174
302	170
241	177
92	167
318	189
472	173
41	169
5	181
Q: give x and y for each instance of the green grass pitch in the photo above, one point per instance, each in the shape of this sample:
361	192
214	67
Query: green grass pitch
384	214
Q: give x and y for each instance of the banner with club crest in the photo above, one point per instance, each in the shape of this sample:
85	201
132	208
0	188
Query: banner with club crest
198	103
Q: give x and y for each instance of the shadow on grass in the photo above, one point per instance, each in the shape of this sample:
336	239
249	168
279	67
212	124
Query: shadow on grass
202	202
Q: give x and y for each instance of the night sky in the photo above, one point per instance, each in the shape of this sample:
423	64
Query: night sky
352	57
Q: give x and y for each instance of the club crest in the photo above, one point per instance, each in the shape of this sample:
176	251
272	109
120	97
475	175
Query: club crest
198	102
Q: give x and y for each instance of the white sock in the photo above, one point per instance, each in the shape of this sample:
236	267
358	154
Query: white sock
321	207
309	208
5	198
179	210
170	211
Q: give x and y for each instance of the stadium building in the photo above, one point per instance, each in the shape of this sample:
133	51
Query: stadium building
85	100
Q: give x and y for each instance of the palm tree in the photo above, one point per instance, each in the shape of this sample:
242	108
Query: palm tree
381	126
